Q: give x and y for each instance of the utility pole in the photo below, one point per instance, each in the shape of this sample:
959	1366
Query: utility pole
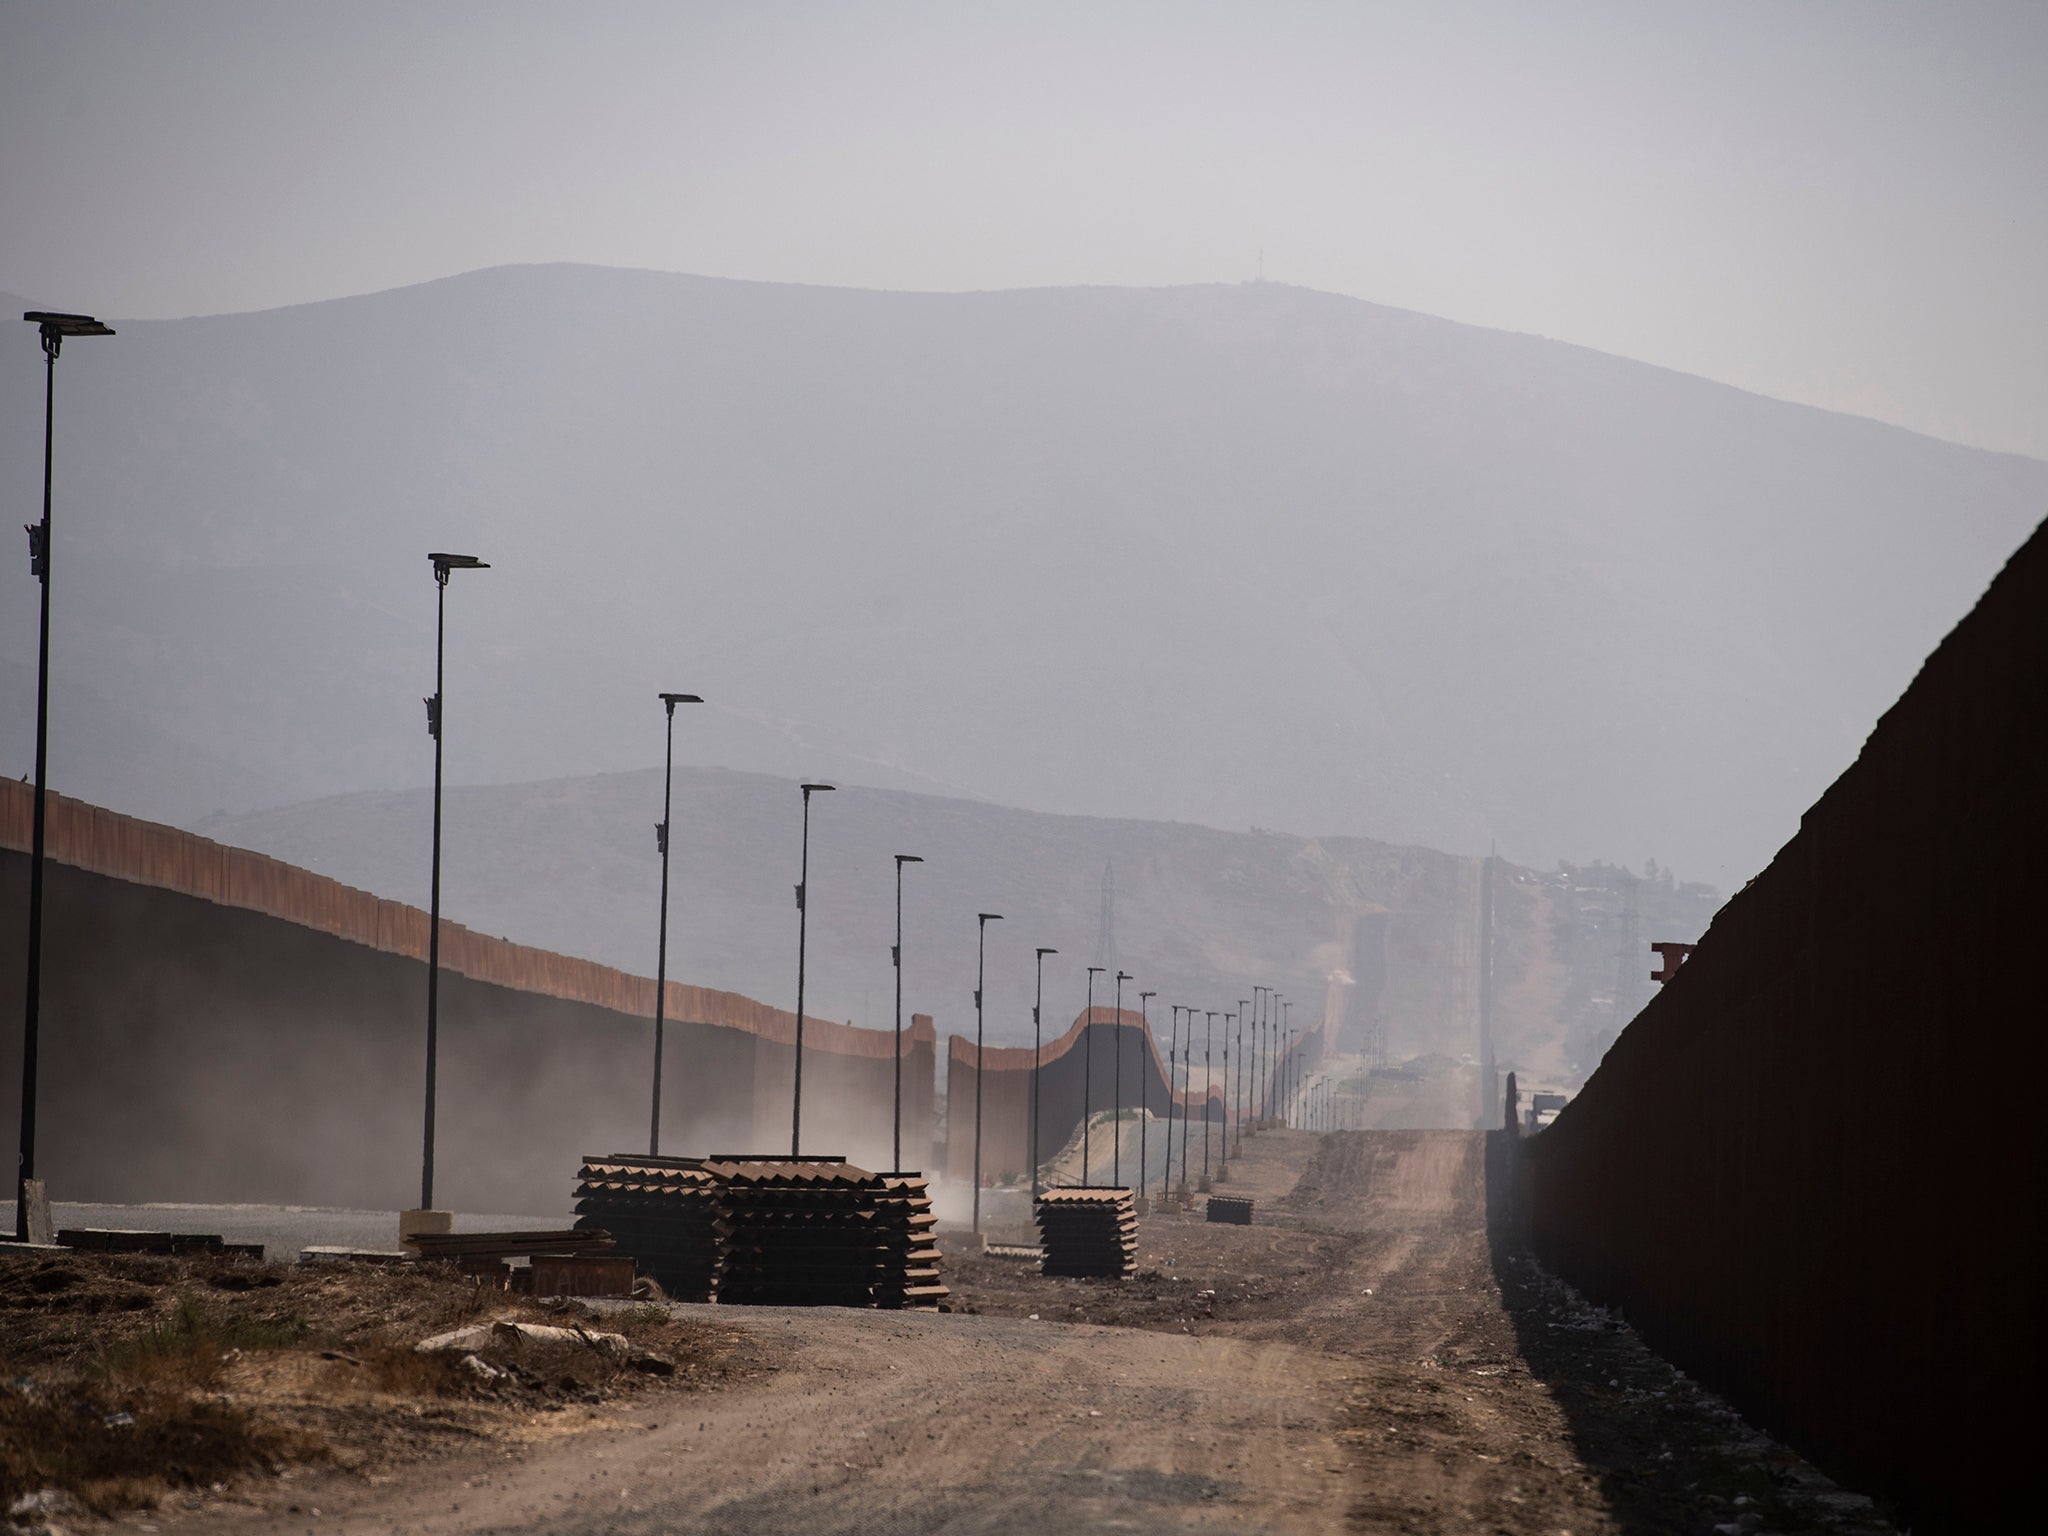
669	702
982	920
1151	1052
803	919
896	964
1037	1063
1088	1067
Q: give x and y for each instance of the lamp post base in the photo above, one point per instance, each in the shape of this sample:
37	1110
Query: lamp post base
416	1223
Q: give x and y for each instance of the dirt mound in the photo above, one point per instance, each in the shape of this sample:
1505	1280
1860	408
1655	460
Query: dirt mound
124	1377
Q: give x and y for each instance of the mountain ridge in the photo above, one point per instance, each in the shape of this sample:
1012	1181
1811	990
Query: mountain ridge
1227	554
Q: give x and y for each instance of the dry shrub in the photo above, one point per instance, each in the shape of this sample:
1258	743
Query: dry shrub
109	1449
186	1349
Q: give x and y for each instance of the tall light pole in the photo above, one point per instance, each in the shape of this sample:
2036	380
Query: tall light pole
1223	1149
982	920
1116	1117
1144	1085
669	702
1172	1092
1242	1099
1172	1052
803	919
1276	1065
1037	1060
1208	1057
54	328
896	961
1293	1077
437	719
1258	1055
1187	1061
1088	1065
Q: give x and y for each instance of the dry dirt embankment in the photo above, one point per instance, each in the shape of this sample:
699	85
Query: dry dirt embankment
1360	1360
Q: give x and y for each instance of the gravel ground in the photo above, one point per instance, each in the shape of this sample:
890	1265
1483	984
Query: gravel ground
1360	1360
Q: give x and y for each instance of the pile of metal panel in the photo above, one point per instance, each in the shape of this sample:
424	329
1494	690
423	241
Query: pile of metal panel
660	1210
120	1240
797	1232
1088	1231
768	1231
1230	1208
908	1276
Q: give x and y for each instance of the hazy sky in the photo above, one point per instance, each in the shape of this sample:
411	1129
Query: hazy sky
1843	204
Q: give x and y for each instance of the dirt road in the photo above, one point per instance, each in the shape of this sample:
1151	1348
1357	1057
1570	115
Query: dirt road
1360	1361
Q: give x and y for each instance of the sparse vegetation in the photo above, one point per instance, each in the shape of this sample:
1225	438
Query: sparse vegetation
126	1380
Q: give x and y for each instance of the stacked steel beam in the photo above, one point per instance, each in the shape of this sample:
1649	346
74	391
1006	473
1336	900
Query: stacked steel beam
1088	1231
797	1233
661	1211
908	1275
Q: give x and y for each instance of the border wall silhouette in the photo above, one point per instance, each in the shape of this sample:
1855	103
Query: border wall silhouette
1810	1171
1085	1058
219	1025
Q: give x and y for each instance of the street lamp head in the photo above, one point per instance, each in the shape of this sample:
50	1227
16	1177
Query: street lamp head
673	699
1097	970
821	788
1043	952
443	564
1143	995
908	858
57	323
1125	976
989	917
56	326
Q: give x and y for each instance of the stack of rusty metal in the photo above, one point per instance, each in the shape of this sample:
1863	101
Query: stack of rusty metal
488	1255
119	1240
1235	1210
662	1211
797	1232
1088	1231
908	1274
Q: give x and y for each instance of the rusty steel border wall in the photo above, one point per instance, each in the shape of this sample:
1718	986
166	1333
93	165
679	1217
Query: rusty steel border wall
221	1025
1809	1172
1006	1091
1302	1057
105	842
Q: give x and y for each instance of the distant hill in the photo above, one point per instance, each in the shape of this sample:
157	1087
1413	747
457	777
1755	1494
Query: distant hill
1246	556
1199	915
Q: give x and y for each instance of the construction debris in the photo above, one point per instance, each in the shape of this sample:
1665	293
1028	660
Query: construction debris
507	1331
1234	1209
119	1240
583	1274
1088	1231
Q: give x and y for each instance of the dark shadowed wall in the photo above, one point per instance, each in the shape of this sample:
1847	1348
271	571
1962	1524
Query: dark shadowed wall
1810	1170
